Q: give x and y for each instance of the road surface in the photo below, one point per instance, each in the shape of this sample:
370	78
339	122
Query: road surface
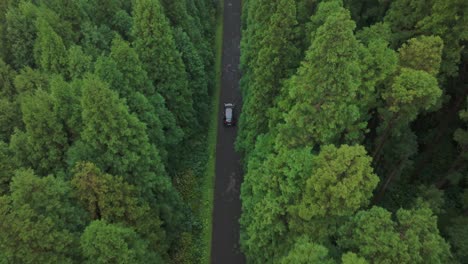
227	206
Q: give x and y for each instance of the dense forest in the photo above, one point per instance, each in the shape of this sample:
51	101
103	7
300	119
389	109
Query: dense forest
103	107
354	131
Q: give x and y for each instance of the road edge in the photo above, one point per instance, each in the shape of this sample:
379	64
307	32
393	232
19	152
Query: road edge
208	184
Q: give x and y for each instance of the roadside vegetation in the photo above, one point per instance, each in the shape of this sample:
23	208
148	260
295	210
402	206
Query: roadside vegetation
354	131
104	109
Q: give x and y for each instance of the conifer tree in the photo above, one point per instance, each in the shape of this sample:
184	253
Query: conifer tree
45	134
321	102
423	53
38	220
110	243
21	33
305	252
49	51
196	74
115	139
274	60
448	20
412	238
78	63
6	168
154	43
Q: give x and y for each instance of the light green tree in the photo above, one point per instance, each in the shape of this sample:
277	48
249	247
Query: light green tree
304	251
321	104
267	63
412	238
110	243
423	53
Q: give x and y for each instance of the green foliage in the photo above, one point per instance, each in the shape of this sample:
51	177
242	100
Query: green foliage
123	71
269	61
321	103
154	42
115	139
78	63
412	238
411	92
38	221
404	15
351	258
21	31
49	51
458	237
423	53
109	243
390	87
341	182
6	168
196	74
304	252
448	20
45	133
29	80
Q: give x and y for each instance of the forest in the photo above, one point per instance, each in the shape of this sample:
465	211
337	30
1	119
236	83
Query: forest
103	107
354	131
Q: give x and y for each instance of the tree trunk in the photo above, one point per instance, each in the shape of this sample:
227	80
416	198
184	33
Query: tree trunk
388	179
383	139
457	165
434	143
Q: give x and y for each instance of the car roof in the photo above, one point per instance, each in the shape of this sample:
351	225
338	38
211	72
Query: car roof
228	113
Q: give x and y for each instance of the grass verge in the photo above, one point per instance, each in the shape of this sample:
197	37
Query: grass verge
206	213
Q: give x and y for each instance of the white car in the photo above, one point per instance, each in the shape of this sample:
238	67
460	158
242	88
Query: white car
228	115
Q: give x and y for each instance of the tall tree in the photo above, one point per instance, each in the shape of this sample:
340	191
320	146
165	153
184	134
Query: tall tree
109	243
305	252
196	74
154	43
412	238
321	104
272	59
110	198
448	19
423	53
411	92
10	116
39	222
46	139
49	51
21	32
341	182
6	168
115	139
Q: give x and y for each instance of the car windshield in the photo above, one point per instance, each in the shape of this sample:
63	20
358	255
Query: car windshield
228	114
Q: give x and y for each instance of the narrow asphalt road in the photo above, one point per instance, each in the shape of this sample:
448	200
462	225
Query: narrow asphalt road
227	206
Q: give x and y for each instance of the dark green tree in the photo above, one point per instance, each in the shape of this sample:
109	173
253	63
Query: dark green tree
155	45
77	62
196	74
39	222
320	104
6	168
272	60
45	135
21	33
115	139
110	243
